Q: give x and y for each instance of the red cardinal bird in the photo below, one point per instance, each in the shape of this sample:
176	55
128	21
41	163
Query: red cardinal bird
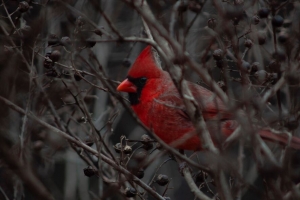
157	102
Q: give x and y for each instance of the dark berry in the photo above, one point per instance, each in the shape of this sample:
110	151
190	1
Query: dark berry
235	21
248	43
220	63
141	155
127	149
48	53
263	12
162	180
287	23
38	145
23	6
279	56
255	19
201	177
158	145
261	75
89	171
52	73
218	54
145	139
255	67
194	6
90	43
118	147
81	120
182	7
147	142
55	55
77	77
261	37
282	37
140	173
291	124
130	192
273	76
80	21
212	23
65	41
53	40
98	32
222	85
148	146
48	64
277	21
126	62
274	65
246	67
89	141
65	74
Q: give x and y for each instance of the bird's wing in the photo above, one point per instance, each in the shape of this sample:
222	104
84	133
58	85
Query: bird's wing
173	102
169	120
212	107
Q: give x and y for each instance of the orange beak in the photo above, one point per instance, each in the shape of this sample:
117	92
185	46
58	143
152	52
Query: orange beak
127	86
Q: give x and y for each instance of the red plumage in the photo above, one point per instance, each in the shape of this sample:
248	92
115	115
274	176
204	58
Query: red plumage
157	103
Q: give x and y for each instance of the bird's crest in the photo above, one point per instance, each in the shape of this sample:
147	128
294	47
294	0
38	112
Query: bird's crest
145	65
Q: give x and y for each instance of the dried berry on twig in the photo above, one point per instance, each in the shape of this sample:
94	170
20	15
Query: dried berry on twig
127	149
147	142
130	192
118	147
162	179
55	55
277	21
263	12
90	171
248	43
212	23
53	40
23	6
218	54
255	19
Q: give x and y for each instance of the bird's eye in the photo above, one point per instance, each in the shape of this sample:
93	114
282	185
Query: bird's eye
143	80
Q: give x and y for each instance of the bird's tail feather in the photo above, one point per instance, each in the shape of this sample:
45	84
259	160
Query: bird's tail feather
283	139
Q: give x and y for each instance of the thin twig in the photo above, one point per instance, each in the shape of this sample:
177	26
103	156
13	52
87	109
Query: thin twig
84	146
194	188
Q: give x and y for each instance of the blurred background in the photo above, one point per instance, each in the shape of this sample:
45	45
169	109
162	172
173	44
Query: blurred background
62	60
